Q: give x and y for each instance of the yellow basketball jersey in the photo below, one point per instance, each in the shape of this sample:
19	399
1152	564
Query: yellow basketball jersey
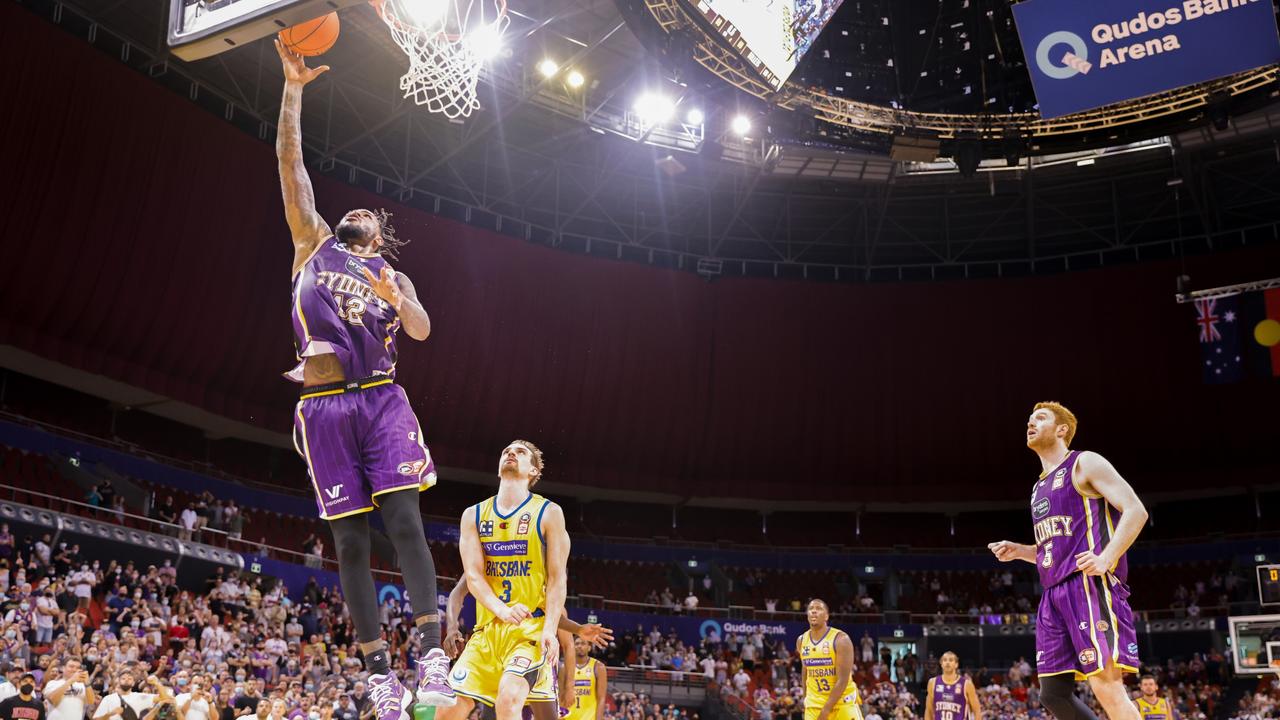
584	692
515	564
819	658
1158	710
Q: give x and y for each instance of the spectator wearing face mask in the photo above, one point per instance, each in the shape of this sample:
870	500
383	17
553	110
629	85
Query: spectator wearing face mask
24	705
46	612
196	703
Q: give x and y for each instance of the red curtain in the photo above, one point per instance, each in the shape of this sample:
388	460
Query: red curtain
145	241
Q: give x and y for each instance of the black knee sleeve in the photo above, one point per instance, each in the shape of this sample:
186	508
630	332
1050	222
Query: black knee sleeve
1058	694
351	541
403	520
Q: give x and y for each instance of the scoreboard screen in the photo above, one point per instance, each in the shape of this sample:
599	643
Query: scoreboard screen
1269	584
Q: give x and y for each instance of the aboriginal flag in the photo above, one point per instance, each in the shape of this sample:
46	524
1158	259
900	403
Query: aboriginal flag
1259	314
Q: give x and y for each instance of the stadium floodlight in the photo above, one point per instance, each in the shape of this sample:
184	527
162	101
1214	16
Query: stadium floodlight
654	108
426	12
548	68
575	79
695	117
741	124
485	41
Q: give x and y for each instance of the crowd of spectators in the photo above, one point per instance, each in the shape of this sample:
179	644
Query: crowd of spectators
101	639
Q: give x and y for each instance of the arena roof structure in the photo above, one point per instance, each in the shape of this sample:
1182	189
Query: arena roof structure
805	194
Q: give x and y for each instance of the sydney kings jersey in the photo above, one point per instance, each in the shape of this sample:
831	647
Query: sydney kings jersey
1068	522
949	702
335	310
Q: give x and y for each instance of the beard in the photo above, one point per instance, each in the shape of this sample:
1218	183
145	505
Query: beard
352	233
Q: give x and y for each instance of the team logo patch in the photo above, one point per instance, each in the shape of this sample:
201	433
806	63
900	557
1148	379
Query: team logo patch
1040	509
486	528
523	527
1059	478
521	663
411	468
1102	626
1133	648
1088	657
459	674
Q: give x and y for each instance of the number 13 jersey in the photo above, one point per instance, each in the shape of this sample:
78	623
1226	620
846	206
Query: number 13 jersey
515	563
819	658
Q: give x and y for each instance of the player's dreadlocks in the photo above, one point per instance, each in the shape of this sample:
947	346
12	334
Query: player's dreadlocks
390	243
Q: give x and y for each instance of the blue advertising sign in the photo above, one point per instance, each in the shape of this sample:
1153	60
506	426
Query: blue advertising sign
1084	54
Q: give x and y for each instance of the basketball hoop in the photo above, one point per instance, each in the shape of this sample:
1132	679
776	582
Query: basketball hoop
447	42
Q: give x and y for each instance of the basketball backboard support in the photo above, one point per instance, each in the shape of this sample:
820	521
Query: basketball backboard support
203	28
1255	644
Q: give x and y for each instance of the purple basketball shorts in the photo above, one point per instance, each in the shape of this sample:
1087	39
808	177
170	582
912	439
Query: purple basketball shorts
359	445
1084	625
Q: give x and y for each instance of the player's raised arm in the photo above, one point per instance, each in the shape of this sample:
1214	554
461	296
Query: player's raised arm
473	567
305	224
1099	477
557	547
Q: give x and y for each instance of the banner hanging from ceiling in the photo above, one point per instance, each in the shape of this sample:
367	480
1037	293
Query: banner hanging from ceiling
1085	54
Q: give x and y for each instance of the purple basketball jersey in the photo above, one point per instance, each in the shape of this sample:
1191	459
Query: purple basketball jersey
949	702
1068	522
335	310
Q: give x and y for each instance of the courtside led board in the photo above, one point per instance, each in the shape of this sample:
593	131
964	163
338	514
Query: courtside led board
202	28
1085	54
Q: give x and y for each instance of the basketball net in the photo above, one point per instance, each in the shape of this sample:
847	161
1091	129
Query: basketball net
447	42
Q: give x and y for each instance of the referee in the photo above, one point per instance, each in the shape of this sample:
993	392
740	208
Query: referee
24	705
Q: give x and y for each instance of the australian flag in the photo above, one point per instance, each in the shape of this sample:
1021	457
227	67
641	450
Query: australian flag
1218	323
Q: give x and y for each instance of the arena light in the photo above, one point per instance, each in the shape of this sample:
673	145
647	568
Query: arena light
575	79
485	41
741	124
548	68
426	12
654	108
695	117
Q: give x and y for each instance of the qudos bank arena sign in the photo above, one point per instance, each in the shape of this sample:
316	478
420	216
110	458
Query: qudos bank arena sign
1084	54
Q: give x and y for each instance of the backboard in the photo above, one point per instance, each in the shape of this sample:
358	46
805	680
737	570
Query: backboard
203	28
1255	644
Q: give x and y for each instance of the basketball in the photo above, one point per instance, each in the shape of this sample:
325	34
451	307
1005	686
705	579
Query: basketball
313	37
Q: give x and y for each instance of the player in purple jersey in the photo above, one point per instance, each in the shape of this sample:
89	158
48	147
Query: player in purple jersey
951	696
1085	516
353	424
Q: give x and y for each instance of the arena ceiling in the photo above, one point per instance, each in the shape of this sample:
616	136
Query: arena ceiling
571	169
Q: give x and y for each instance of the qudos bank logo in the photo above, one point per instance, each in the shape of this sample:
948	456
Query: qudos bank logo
1073	62
708	627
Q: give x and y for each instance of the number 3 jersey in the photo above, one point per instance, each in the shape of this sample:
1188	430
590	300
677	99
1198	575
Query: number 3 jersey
1068	522
335	310
515	564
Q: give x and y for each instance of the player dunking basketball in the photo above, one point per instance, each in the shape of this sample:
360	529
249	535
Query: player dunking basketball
1085	516
951	696
353	424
